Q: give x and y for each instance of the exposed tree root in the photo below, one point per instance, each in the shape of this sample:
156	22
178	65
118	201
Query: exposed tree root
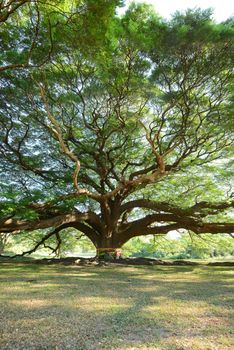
127	261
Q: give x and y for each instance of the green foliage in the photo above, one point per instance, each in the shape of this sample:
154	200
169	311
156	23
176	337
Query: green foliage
96	58
187	246
121	93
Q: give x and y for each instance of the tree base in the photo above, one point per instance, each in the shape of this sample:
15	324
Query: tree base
108	254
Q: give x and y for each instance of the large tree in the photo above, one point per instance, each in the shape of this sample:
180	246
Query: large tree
113	135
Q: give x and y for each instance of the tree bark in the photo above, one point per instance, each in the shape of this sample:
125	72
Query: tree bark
108	254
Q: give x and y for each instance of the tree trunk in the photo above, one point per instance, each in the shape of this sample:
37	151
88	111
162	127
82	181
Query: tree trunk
108	249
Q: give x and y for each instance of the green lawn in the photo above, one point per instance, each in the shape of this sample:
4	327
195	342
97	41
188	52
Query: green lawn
120	308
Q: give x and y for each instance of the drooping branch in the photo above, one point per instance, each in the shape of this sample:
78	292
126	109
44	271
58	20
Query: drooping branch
222	227
212	207
170	217
155	206
134	231
7	8
56	249
146	226
42	241
82	227
14	225
199	209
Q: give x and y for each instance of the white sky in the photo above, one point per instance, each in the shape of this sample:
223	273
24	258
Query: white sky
222	8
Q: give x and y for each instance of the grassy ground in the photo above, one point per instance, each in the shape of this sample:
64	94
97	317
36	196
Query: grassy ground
120	308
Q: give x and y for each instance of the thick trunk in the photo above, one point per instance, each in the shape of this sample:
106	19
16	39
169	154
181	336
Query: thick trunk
108	254
109	244
108	249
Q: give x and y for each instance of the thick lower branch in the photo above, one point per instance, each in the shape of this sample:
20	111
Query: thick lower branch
214	228
144	230
199	209
12	225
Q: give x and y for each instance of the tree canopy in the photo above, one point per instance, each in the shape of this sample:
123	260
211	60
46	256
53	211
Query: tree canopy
117	126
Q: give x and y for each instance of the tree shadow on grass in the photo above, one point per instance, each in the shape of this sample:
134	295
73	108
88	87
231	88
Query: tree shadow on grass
48	307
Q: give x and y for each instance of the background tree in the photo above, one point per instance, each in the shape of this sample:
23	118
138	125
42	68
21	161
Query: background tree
187	246
113	135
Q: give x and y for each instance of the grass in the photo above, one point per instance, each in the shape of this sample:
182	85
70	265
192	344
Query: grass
120	308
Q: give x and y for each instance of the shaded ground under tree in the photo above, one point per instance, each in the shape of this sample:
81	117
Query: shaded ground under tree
161	308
